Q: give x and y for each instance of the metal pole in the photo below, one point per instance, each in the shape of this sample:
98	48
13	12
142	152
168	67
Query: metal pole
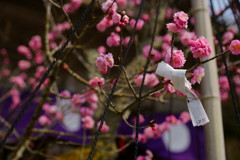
214	138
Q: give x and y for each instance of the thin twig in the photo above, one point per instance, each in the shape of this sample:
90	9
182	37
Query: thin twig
202	62
129	84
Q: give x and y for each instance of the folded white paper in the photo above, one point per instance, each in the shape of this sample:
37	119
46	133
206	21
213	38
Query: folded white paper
180	83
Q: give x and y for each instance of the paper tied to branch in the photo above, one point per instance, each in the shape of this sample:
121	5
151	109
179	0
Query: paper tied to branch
180	83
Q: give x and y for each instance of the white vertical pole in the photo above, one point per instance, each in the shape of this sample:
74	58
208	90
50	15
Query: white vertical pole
214	138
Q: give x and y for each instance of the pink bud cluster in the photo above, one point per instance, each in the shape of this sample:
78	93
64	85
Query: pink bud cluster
72	6
95	82
155	54
150	80
148	156
105	127
197	75
104	61
86	103
176	58
51	113
113	40
180	22
56	32
139	24
186	37
235	47
120	19
19	80
200	47
236	80
15	98
109	6
158	129
224	87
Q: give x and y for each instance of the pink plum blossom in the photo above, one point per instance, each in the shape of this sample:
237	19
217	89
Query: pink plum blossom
52	109
172	27
233	29
228	36
150	133
87	122
39	58
224	95
116	18
109	59
46	107
141	119
109	3
180	22
102	64
18	80
200	47
72	6
145	17
39	71
101	49
126	41
94	82
184	117
181	19
223	83
137	2
65	93
24	64
91	97
139	25
105	61
141	137
150	80
172	119
59	116
197	75
121	3
5	72
86	111
24	51
236	80
163	127
235	47
168	87
44	120
35	42
113	40
186	36
15	98
104	24
118	29
78	100
155	54
105	127
177	59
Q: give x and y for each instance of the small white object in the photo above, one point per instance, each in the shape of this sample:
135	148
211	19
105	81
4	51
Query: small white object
172	141
177	76
71	119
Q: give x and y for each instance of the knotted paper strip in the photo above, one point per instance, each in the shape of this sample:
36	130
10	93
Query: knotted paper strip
180	83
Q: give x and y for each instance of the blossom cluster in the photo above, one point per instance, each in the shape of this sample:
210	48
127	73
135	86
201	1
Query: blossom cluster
157	130
179	23
104	61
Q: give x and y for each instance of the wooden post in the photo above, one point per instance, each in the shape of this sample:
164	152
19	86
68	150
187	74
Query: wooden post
214	138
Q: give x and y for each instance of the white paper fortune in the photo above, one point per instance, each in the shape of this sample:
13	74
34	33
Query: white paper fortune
180	83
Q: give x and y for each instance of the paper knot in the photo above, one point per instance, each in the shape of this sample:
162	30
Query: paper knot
180	83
